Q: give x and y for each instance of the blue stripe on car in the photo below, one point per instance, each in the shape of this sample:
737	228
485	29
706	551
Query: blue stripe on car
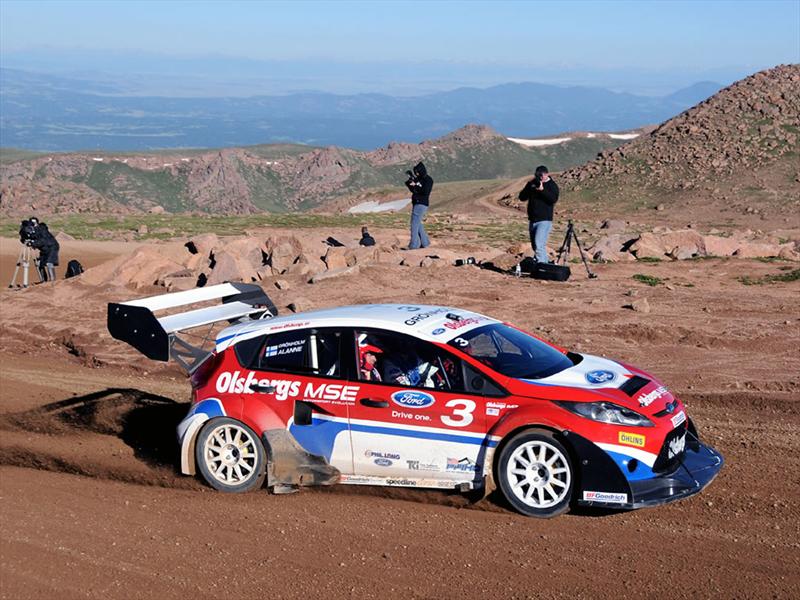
642	471
319	437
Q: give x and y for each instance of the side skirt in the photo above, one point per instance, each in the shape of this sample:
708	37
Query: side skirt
414	482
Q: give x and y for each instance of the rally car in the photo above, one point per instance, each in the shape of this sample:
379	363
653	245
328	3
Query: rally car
417	396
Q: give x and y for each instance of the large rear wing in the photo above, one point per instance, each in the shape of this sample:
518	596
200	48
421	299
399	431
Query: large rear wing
135	322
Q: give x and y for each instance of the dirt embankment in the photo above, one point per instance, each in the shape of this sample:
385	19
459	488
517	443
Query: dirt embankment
92	505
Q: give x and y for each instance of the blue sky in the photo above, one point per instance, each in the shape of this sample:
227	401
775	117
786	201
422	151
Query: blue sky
698	38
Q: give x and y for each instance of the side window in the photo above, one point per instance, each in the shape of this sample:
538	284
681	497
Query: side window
326	357
288	351
406	361
478	383
303	351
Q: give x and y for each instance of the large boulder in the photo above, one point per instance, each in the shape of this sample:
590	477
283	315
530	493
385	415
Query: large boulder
720	246
144	267
681	245
365	256
248	250
203	244
757	250
227	268
648	245
389	256
298	269
609	248
503	262
614	225
788	252
337	257
334	273
282	252
675	244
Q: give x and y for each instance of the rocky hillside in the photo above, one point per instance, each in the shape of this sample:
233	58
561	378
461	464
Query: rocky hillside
273	178
739	148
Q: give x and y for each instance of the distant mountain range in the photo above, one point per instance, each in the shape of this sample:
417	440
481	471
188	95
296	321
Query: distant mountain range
269	178
56	113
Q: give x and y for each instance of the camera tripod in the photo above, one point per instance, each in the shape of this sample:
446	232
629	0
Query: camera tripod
24	260
566	246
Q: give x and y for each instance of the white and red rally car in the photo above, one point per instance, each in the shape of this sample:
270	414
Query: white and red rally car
417	396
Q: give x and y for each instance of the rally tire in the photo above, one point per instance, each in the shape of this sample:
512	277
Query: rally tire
230	456
535	474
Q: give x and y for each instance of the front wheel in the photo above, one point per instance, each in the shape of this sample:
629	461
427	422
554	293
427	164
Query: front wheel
230	456
535	474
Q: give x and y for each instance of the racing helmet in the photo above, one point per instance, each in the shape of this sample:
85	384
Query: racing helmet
365	349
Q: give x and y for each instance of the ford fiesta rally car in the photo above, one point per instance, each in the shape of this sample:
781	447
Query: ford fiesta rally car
416	396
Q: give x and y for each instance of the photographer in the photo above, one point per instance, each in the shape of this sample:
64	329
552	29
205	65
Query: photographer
420	185
541	194
36	235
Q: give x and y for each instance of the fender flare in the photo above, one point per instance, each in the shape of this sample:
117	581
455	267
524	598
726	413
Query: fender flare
509	425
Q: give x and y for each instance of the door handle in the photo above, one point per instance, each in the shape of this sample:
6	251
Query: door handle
374	403
261	388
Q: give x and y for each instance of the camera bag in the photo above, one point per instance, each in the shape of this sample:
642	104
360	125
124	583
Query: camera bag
546	271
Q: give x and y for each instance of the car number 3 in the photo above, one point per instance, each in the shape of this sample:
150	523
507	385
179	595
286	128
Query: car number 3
462	409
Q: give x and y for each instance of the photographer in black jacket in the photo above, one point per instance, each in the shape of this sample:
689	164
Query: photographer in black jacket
37	235
541	194
420	185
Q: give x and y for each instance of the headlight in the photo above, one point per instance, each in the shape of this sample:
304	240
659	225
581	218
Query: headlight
607	412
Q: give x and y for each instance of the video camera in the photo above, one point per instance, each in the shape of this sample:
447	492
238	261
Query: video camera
412	179
28	231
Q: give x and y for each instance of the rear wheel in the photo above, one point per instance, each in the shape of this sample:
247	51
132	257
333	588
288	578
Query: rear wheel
535	474
230	456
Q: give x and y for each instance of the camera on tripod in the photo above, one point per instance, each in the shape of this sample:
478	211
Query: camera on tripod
28	231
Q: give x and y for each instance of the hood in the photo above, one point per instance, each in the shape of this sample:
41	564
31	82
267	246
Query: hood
591	373
594	379
420	170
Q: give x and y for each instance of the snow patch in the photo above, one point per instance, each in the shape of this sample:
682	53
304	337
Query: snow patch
373	206
623	136
539	142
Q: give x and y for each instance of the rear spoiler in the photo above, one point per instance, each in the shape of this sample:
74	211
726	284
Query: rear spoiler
135	323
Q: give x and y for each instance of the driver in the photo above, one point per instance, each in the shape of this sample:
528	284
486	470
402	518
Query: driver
368	357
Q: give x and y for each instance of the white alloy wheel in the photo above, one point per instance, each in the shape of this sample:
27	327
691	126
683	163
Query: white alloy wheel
538	474
534	473
230	456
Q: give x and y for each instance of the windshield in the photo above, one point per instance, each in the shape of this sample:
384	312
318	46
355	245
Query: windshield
512	352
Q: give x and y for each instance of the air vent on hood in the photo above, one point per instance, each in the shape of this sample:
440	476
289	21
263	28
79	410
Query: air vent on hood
633	385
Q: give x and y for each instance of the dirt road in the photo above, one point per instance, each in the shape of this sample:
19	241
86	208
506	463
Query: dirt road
91	505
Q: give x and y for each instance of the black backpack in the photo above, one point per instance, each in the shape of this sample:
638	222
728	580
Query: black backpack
74	268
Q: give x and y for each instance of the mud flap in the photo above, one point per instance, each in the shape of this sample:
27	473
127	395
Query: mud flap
486	486
288	464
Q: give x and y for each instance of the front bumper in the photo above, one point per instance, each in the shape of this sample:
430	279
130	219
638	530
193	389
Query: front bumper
698	467
687	476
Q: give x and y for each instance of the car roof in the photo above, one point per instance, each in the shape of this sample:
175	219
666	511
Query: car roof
432	323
